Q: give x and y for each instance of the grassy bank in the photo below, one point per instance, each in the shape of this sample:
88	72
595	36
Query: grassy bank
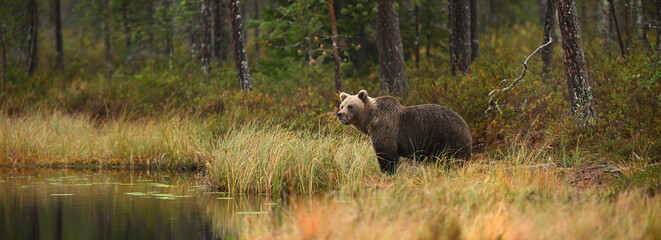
339	191
504	200
273	160
54	138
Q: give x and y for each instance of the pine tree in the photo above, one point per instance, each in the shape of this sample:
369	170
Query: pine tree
238	37
336	51
460	41
33	47
57	20
577	75
389	44
549	26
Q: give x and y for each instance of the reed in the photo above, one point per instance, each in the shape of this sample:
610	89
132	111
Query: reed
54	138
273	160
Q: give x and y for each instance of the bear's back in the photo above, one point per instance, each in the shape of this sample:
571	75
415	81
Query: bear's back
430	128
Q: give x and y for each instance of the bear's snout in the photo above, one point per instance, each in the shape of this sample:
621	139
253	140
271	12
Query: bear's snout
342	117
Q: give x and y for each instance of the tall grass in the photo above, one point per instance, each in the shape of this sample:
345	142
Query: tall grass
472	202
267	159
55	138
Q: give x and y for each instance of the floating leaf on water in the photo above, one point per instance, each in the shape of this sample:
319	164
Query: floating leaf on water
163	195
82	184
184	196
225	198
166	198
62	194
161	185
23	187
127	184
144	180
250	213
218	192
1	181
271	203
22	177
137	194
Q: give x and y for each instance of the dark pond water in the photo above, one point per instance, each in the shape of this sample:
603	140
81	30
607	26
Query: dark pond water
109	204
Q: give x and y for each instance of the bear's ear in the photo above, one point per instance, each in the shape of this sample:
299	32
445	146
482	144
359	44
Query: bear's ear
343	96
362	95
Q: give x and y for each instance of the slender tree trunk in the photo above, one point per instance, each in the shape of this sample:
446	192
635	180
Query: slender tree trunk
575	68
106	4
336	51
475	43
617	28
460	43
549	27
4	55
205	43
417	36
658	29
391	54
241	58
127	23
645	28
542	11
33	57
256	28
169	36
59	52
627	26
150	26
193	31
605	23
220	33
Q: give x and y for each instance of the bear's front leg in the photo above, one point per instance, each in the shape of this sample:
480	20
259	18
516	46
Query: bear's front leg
387	161
384	143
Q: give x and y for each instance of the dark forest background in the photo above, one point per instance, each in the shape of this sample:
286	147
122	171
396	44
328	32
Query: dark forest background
227	62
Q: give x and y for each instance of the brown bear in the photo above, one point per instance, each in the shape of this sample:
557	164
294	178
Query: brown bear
395	130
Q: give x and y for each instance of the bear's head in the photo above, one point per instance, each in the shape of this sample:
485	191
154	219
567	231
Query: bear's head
353	107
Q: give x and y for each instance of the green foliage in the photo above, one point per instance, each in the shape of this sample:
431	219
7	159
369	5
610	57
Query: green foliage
297	29
645	179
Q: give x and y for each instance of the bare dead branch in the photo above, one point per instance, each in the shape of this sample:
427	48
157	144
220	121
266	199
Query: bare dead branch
493	100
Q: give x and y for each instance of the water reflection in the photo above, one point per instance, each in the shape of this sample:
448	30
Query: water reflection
109	204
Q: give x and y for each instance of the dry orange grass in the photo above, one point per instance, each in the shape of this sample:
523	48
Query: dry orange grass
471	203
57	138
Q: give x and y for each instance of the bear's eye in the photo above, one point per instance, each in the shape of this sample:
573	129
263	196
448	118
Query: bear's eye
350	107
341	107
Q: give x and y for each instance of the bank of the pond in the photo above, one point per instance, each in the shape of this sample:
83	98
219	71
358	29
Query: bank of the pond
273	160
54	138
498	202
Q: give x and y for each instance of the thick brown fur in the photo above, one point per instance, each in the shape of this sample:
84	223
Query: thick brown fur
420	131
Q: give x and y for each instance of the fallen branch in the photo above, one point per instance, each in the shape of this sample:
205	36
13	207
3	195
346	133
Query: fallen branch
493	101
622	170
